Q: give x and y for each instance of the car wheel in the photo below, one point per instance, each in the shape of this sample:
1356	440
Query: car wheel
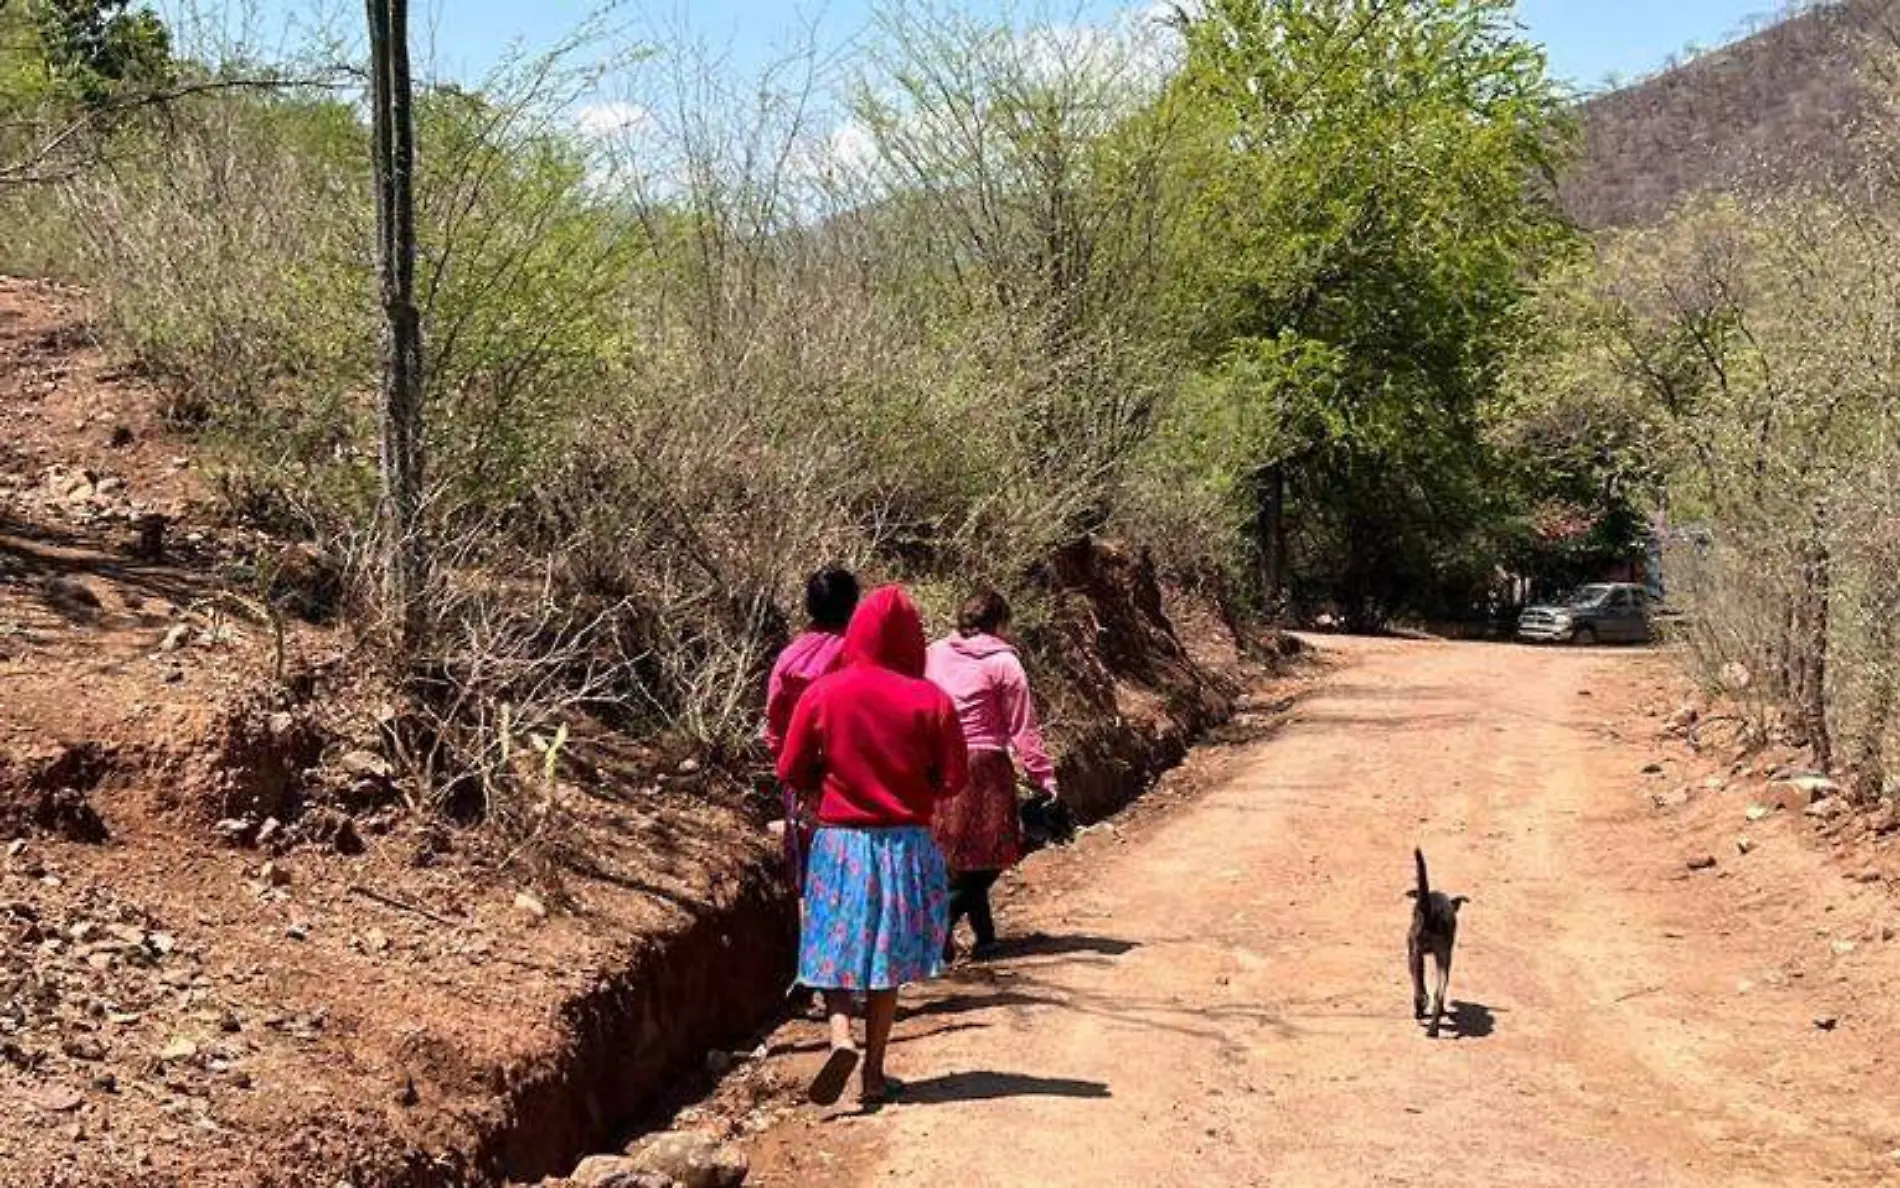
1585	635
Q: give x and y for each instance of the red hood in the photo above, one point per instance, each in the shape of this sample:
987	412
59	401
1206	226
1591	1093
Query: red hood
887	632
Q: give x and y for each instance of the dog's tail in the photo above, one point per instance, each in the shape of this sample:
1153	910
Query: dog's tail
1424	886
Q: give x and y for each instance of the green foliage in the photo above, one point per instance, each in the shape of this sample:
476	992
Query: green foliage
101	48
1368	204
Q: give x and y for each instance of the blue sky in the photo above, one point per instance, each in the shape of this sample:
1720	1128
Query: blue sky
1588	40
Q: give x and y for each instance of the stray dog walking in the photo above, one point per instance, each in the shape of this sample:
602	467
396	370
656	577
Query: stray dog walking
1434	931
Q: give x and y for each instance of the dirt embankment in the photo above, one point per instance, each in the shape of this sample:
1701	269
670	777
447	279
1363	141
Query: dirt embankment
231	952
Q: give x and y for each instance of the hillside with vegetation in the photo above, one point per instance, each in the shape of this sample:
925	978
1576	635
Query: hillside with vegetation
1779	106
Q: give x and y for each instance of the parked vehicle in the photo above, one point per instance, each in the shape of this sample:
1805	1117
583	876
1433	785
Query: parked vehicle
1610	612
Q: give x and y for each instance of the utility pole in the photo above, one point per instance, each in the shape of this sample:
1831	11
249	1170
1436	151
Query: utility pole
406	560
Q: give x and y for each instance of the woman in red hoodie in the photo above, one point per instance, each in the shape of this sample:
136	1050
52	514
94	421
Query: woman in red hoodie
877	746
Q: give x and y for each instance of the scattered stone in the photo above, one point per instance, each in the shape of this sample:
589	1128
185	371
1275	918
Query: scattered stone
1817	787
274	874
1843	947
691	1160
233	829
178	1050
1760	812
530	905
376	941
1702	862
345	840
689	767
1674	798
1827	808
297	932
176	637
269	830
1869	876
615	1171
1743	845
1652	769
1826	1022
84	1047
54	1099
366	765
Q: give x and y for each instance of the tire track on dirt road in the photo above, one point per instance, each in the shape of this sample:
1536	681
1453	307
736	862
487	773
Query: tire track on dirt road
1224	1000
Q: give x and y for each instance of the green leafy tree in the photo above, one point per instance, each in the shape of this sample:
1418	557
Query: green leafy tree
100	48
1371	198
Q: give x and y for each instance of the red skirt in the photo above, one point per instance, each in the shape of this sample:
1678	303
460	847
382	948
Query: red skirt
980	828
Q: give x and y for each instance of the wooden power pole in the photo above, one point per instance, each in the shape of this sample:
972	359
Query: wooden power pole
406	573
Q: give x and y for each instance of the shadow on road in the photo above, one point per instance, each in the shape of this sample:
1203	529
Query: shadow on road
990	1086
1470	1020
1043	945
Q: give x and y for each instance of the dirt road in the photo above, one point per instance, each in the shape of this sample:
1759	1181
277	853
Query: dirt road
1220	998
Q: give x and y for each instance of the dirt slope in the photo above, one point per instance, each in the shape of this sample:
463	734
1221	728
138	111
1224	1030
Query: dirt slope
1221	998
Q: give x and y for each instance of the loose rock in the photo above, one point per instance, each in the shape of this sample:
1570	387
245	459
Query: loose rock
530	905
691	1160
1827	808
366	765
1817	787
615	1171
1702	862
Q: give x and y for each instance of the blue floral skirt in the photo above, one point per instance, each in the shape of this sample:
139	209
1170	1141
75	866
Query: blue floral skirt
876	909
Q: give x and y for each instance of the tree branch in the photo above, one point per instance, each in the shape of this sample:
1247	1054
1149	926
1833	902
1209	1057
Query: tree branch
35	167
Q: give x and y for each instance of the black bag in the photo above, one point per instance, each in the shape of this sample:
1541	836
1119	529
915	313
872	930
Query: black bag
1046	822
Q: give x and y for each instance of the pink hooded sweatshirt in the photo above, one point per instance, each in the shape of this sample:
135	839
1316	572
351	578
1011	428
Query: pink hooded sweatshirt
804	660
985	680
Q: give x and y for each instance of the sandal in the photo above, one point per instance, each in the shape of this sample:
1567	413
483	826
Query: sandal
828	1086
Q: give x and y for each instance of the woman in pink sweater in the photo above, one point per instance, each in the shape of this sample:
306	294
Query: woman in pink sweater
980	830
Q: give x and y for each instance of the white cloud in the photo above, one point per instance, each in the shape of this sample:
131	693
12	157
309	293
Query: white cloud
850	147
612	119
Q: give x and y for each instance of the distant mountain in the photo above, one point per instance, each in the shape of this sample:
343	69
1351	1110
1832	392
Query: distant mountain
1779	104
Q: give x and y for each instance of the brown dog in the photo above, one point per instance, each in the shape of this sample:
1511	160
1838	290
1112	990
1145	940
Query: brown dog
1434	931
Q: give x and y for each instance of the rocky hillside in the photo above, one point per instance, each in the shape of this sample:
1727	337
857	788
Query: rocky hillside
1782	103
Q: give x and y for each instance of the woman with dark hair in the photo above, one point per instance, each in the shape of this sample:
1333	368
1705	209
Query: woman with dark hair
831	595
980	830
877	747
